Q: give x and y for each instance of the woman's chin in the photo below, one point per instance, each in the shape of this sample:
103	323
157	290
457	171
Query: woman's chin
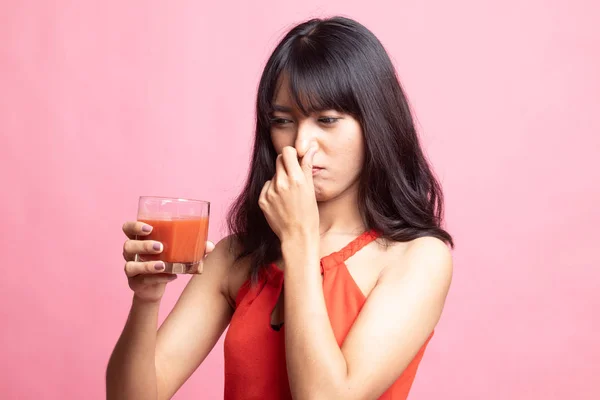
321	195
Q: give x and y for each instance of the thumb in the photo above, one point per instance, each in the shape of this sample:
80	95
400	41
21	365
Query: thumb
210	246
307	160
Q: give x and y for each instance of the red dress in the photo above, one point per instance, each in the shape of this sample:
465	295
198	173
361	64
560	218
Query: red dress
255	365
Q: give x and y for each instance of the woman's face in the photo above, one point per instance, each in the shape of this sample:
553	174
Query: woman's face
337	136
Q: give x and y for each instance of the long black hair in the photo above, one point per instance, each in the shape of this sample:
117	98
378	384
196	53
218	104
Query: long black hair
338	64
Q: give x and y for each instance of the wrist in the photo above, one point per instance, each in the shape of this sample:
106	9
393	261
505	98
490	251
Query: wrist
139	302
299	243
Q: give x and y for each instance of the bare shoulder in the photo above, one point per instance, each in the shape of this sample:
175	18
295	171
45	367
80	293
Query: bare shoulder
227	249
227	246
219	261
237	269
217	267
426	256
431	250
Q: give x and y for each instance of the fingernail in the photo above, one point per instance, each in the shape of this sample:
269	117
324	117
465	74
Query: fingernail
159	266
156	246
146	228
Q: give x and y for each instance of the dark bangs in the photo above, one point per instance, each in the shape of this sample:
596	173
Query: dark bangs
315	82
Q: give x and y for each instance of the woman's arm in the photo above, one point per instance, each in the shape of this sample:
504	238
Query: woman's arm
147	364
396	320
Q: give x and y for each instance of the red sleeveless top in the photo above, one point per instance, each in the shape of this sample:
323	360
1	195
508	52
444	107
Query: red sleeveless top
255	365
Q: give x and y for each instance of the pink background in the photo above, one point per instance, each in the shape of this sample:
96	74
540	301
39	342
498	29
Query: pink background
102	101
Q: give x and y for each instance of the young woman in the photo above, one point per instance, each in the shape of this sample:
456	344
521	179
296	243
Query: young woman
337	267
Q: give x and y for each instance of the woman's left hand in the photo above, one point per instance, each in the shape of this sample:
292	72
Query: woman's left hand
288	200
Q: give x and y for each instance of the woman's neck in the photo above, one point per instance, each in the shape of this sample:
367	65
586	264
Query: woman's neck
341	214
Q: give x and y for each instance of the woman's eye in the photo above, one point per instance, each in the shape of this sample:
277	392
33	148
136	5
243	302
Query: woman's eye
280	121
328	120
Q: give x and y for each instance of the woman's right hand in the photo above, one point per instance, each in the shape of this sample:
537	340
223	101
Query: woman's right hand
146	279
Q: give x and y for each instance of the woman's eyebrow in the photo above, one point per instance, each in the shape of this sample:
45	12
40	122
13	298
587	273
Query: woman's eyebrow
280	108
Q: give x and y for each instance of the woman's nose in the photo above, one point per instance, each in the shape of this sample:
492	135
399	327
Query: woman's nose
305	138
